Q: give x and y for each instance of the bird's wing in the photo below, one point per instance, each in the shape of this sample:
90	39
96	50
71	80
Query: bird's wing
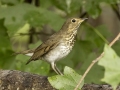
44	48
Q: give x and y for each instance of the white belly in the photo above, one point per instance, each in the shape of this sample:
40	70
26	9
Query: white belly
58	53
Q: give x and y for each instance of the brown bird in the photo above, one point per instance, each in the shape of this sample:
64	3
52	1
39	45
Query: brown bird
58	45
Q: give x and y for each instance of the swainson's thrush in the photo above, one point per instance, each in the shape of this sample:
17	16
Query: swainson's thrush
58	45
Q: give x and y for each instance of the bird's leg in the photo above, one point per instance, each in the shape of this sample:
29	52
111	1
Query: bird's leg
58	70
55	68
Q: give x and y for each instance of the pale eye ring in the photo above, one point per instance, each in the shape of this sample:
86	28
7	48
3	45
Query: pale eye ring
73	20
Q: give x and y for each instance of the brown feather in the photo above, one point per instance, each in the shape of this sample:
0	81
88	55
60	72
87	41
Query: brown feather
24	52
44	48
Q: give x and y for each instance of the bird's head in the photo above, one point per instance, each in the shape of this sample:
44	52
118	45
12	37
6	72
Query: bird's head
72	24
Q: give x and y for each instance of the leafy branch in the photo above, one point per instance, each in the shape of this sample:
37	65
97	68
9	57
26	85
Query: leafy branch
96	60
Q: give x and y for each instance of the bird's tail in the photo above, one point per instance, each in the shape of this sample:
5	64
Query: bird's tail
28	61
33	58
26	52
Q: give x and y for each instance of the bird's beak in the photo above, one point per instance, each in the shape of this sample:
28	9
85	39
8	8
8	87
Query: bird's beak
83	19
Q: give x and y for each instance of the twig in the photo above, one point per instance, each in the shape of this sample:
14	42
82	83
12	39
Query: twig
94	61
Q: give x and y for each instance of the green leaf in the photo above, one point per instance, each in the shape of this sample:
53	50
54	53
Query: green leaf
18	38
68	6
74	5
93	9
116	47
4	37
13	20
30	14
35	18
53	20
61	4
111	62
98	39
6	58
66	82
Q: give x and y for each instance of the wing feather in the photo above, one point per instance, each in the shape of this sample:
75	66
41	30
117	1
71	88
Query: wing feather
44	48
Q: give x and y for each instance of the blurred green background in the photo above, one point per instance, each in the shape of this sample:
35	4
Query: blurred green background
25	24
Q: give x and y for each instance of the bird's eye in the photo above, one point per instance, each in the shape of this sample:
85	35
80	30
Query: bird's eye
73	20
